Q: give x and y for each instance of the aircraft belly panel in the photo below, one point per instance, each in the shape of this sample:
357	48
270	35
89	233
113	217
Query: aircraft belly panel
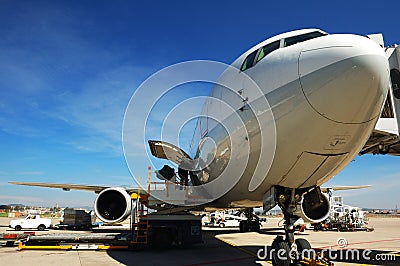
305	166
330	168
312	169
325	169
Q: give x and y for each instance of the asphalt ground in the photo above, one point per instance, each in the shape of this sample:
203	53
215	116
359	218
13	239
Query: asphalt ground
225	246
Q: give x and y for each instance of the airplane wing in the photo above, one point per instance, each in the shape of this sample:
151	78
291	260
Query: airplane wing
381	142
155	203
337	188
68	187
98	189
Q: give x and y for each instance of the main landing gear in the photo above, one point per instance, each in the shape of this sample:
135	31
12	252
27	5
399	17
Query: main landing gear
252	224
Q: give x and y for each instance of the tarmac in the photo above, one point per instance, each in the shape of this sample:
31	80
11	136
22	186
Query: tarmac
224	246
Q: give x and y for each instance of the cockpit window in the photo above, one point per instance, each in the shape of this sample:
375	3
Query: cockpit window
249	61
264	51
268	49
302	38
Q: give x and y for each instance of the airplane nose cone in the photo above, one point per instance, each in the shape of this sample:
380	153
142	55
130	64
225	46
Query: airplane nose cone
345	81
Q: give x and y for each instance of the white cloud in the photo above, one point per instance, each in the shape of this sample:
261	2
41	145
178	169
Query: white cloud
15	198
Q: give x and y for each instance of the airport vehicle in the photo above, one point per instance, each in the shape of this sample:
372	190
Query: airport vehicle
223	220
210	219
230	221
76	219
343	217
341	210
31	222
330	97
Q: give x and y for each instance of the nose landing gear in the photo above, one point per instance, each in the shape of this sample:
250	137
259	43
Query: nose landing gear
288	251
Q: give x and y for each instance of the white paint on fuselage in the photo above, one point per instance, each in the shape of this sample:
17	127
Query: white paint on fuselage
326	95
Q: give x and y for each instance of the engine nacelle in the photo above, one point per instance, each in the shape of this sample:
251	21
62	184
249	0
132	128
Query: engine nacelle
113	205
313	209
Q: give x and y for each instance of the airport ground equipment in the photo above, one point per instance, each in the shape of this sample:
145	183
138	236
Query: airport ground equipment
343	217
161	230
343	224
179	229
76	219
146	230
9	240
94	241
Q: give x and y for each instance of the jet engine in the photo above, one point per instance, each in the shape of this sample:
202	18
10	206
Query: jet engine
113	205
314	207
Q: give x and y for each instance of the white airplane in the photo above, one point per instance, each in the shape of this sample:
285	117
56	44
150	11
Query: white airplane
326	93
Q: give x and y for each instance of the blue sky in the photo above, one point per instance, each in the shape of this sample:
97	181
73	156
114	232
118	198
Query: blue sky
68	70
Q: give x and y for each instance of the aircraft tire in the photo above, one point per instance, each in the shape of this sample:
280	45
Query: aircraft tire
283	259
303	244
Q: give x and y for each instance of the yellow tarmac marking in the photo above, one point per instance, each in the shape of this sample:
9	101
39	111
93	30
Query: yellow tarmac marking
255	255
238	247
21	246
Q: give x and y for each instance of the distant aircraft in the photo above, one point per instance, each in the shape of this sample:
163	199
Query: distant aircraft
332	96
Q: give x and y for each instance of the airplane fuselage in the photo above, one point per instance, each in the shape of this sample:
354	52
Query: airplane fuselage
325	94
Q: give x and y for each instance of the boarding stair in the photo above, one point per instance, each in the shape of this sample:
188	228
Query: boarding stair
385	138
139	216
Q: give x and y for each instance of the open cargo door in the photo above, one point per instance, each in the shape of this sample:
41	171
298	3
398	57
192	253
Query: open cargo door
172	153
168	151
